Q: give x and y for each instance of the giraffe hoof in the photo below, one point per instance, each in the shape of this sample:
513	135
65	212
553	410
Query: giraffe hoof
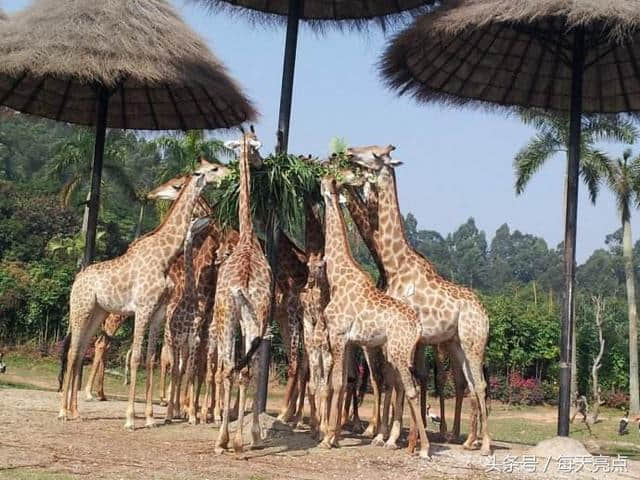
168	421
424	454
151	423
370	432
88	398
390	446
468	445
218	450
238	447
62	415
326	443
192	421
163	403
485	451
102	399
378	441
129	425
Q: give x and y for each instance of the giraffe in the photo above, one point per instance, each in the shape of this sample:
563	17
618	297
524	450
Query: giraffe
190	307
102	344
314	298
290	280
359	313
450	314
243	298
364	212
134	283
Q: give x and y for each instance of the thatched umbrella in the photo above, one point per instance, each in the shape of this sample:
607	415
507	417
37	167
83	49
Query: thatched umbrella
318	13
559	55
131	64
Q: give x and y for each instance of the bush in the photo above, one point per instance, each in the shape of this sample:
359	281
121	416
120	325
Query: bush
550	392
616	400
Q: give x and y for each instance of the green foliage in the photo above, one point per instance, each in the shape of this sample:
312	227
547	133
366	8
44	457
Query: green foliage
279	186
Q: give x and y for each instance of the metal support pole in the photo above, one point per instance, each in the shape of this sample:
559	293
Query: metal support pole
573	170
288	70
102	106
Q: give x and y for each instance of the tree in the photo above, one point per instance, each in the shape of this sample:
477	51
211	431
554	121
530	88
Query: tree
72	163
599	305
553	138
623	179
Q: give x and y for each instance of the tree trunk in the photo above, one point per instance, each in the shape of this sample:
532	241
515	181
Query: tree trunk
574	363
627	254
599	305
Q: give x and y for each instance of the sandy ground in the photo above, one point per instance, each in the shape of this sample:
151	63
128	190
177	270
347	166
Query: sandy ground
98	447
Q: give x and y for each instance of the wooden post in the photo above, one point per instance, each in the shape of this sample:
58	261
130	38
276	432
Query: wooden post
288	70
273	229
573	170
102	106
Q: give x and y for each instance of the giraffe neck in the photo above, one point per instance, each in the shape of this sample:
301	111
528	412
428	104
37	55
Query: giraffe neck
392	244
314	239
337	251
244	199
167	240
189	276
367	225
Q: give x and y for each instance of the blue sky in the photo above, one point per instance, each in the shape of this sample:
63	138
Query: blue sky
458	163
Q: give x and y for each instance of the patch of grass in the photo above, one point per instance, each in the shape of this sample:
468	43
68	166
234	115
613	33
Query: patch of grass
26	474
18	385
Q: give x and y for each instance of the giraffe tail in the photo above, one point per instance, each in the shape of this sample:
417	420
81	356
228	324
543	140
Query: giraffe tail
64	351
487	391
243	304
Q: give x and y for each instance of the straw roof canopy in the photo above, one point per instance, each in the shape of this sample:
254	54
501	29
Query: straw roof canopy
519	52
160	74
322	13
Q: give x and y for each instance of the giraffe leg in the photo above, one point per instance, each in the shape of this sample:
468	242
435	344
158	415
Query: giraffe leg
325	389
142	319
219	397
127	367
238	441
338	385
154	329
223	435
440	378
303	379
374	375
98	357
166	364
408	386
472	367
190	378
386	377
396	427
460	383
79	345
172	400
100	387
256	429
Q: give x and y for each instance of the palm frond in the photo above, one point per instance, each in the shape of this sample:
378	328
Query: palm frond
595	166
618	128
532	157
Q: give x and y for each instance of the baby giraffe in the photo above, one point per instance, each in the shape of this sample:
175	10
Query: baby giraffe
359	313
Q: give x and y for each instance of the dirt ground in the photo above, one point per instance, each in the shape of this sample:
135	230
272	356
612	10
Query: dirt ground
34	444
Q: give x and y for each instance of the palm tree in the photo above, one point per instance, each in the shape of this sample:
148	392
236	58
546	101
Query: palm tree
72	162
623	179
553	138
179	153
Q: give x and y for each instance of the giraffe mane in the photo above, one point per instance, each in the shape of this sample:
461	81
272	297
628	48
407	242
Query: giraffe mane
166	217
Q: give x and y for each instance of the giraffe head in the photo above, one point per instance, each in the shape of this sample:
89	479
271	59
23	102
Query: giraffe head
377	162
226	246
212	172
316	266
253	146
